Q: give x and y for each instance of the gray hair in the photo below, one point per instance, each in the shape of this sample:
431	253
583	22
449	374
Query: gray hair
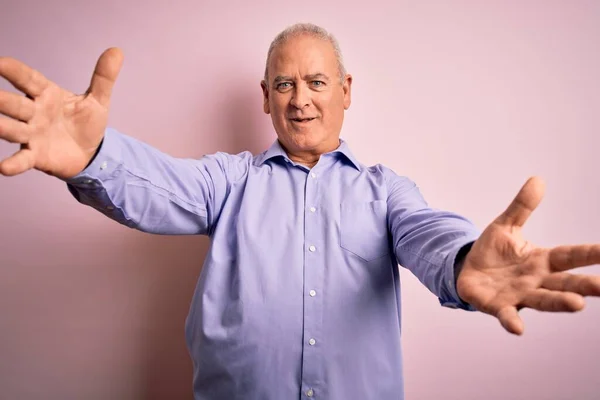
307	29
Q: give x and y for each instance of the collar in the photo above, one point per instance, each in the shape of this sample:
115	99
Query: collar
277	151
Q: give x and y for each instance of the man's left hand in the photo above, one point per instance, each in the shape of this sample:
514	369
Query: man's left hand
503	272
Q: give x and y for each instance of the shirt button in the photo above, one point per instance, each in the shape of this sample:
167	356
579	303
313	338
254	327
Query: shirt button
312	293
110	208
313	209
88	181
310	393
313	175
312	341
104	165
312	249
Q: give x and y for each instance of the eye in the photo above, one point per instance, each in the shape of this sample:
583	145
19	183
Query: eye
282	85
318	83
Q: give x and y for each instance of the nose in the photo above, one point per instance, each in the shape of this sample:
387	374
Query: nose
300	97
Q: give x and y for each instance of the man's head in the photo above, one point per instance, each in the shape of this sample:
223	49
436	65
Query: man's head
306	90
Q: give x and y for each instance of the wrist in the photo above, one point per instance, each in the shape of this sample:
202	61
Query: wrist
459	263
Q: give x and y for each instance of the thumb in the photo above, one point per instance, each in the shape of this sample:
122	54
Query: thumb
528	198
510	320
105	74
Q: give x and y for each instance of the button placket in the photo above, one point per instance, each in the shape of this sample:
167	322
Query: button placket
313	278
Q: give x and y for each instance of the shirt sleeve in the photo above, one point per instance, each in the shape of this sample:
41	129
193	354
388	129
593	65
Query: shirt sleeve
146	189
427	241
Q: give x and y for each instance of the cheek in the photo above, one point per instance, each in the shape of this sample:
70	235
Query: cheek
278	109
333	110
279	100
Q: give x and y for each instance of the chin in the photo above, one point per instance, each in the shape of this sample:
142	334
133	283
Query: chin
306	140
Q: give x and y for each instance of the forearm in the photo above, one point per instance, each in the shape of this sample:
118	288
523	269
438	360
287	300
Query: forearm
143	188
432	249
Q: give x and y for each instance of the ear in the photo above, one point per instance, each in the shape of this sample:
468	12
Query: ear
347	88
265	90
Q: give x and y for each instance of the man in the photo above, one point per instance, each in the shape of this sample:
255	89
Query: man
299	294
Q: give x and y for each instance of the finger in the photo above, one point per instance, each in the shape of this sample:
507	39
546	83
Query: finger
584	285
528	198
23	77
548	300
105	74
14	131
563	258
510	320
16	106
23	160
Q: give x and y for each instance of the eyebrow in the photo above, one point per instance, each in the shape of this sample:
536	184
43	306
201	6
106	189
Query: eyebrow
310	77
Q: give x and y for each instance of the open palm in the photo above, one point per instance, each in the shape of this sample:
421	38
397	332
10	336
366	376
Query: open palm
503	272
58	131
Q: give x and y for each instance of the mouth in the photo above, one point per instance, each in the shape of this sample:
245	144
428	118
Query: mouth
301	120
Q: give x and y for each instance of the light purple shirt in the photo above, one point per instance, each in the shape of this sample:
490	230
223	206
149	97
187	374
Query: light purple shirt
299	295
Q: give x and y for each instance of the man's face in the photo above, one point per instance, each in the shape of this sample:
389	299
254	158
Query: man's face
304	95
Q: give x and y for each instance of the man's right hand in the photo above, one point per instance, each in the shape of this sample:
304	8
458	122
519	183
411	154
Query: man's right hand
58	131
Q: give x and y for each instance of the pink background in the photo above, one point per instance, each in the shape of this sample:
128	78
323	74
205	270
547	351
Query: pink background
468	98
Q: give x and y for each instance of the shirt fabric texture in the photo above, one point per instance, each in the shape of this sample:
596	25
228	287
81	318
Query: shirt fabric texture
299	296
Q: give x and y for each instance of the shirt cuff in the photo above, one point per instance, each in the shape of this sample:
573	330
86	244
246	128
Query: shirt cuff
89	187
451	268
105	164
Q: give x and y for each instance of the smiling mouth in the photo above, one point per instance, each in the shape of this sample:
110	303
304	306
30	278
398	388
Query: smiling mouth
301	119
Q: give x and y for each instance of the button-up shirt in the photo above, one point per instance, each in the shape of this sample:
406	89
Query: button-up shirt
299	295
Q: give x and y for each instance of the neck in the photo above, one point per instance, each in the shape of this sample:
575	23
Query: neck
308	158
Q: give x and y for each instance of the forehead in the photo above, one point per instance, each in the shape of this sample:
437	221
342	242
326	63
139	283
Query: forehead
303	54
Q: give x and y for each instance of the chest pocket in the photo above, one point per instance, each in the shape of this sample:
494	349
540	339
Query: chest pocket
363	229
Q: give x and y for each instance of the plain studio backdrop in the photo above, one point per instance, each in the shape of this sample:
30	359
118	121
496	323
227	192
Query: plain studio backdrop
467	98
